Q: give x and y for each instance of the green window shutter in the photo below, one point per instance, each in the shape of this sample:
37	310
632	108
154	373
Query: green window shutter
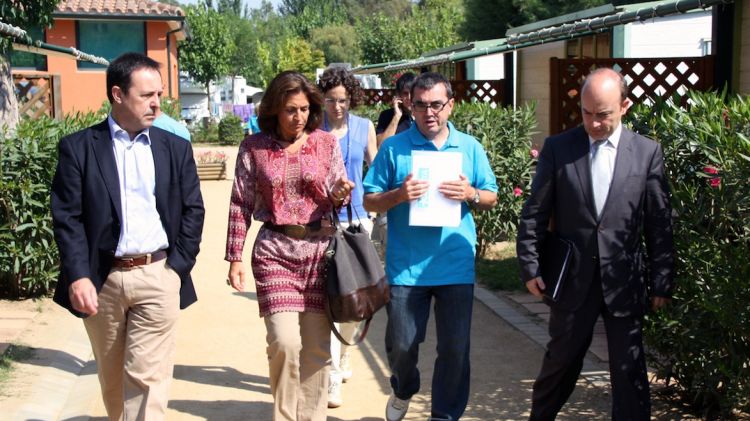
110	39
24	60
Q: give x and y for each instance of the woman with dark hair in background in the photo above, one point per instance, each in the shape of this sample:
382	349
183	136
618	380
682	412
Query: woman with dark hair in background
290	176
356	135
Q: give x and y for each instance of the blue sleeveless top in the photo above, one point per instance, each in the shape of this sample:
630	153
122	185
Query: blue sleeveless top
353	149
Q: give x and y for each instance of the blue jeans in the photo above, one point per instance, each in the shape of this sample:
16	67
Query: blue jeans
408	312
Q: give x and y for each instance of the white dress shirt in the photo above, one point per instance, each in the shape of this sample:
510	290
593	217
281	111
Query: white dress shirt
141	229
607	152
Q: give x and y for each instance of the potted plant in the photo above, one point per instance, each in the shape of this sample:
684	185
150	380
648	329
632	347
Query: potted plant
212	165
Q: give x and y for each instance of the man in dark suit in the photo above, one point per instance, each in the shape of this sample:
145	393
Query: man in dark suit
128	216
602	187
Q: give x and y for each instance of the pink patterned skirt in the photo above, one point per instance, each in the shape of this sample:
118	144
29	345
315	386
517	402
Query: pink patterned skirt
289	273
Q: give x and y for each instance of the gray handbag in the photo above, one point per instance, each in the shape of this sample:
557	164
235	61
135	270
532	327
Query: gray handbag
356	285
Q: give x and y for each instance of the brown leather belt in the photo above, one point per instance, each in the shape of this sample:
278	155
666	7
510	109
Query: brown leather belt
128	262
312	230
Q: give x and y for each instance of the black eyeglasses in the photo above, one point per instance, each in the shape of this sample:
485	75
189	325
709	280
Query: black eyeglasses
436	106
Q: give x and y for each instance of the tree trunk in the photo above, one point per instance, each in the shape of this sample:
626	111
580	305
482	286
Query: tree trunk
208	92
8	101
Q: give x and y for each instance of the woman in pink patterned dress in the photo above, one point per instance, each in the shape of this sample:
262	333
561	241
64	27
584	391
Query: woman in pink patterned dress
289	177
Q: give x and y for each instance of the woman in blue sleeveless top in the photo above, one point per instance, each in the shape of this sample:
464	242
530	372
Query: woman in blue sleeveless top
357	139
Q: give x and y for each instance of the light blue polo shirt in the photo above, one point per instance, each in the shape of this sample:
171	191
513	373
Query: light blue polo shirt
428	256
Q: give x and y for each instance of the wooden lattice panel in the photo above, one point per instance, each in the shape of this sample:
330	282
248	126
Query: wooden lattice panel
489	91
34	95
647	78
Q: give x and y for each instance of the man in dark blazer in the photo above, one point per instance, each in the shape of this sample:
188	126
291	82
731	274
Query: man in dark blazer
602	187
128	216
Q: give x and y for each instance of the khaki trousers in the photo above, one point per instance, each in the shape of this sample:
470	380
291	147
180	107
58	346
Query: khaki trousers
298	359
133	338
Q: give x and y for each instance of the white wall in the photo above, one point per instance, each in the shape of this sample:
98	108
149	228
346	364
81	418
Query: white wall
489	67
533	78
194	106
671	36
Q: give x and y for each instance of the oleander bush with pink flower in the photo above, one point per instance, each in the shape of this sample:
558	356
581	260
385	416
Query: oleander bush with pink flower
28	253
505	134
702	341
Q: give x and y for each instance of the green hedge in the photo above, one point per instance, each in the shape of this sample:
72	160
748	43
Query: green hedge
505	134
205	134
28	254
703	340
230	130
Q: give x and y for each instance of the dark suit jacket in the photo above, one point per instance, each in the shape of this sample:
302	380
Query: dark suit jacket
87	214
637	211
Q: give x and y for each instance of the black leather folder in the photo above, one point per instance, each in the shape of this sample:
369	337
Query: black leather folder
555	259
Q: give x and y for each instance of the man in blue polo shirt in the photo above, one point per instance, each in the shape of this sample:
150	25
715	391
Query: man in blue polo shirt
423	263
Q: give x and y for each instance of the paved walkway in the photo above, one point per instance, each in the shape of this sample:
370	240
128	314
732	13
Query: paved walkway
221	371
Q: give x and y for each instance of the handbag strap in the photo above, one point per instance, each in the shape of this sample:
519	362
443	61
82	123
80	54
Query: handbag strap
338	334
335	216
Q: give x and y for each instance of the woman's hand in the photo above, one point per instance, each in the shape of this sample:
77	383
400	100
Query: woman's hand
341	189
236	277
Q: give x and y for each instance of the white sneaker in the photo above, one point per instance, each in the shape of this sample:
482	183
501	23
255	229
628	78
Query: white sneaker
345	367
396	408
334	394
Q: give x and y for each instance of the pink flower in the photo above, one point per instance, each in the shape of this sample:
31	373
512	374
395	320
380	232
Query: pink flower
710	170
534	153
725	116
715	182
517	191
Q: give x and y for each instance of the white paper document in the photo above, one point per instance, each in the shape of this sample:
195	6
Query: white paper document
433	209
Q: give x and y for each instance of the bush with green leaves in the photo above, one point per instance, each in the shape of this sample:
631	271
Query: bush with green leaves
171	107
505	134
230	130
370	112
703	339
205	133
28	254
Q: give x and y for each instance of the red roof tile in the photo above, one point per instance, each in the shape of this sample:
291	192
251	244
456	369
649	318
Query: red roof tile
118	7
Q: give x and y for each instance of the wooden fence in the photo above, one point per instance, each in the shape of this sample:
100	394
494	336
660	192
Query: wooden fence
490	91
38	94
647	78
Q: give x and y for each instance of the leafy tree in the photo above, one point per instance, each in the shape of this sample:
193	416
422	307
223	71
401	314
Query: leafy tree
488	19
171	2
337	42
292	7
267	30
358	10
382	39
297	54
265	64
434	24
23	14
206	56
316	14
229	7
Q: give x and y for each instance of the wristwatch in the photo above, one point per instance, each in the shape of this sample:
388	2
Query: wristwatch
475	199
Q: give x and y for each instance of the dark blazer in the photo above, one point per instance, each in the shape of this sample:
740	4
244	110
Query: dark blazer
87	213
637	211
